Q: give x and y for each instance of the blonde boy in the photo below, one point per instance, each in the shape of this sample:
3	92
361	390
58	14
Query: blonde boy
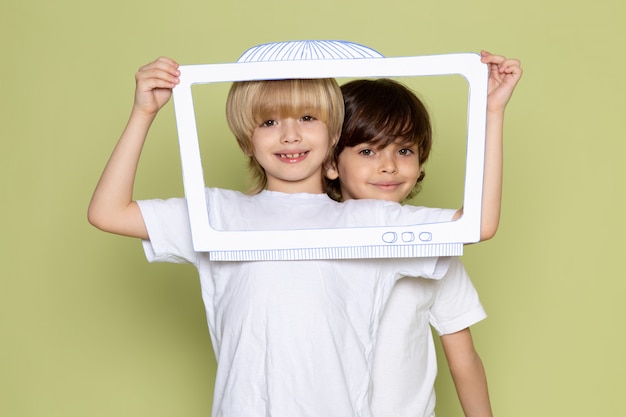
292	338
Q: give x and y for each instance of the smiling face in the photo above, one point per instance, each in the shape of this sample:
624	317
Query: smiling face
379	172
292	152
384	143
299	119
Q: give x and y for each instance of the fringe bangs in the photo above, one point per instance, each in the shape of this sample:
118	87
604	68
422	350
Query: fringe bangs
289	98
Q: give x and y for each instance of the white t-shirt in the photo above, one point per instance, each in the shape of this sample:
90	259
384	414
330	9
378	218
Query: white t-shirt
292	338
405	366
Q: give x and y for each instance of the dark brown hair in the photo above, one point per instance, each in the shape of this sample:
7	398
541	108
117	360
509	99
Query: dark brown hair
379	112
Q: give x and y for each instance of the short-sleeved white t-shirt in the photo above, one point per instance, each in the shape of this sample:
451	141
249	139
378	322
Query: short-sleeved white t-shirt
405	365
292	338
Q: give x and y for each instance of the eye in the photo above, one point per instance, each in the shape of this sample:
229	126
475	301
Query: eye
308	118
366	152
406	152
268	123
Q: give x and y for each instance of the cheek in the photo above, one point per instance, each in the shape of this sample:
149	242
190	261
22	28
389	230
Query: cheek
354	172
410	168
346	166
258	140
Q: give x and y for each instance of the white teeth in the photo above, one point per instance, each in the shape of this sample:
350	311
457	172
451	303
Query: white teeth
290	155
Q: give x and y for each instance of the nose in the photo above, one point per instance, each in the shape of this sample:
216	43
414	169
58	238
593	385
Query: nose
388	163
290	132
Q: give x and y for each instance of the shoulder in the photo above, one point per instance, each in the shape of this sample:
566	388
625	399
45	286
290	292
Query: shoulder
170	204
159	214
221	193
392	213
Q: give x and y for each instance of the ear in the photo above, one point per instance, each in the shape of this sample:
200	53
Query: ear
331	168
331	171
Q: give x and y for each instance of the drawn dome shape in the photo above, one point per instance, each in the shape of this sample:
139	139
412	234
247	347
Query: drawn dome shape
307	50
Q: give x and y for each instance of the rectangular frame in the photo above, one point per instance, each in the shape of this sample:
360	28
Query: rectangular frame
436	239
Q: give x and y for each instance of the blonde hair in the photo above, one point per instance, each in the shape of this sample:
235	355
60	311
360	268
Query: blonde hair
250	103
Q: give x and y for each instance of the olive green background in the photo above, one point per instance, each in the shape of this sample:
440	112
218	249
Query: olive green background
89	328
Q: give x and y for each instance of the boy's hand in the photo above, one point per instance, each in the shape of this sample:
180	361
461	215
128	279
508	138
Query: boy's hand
154	85
503	77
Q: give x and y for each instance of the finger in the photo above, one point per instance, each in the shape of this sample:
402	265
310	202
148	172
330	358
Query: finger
492	59
512	64
166	60
152	83
151	77
163	64
161	61
503	66
511	67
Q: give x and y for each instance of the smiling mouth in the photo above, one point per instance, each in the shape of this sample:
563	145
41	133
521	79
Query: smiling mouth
293	157
387	185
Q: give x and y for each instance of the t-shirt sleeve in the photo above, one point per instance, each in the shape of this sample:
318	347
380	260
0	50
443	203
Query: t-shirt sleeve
167	222
456	305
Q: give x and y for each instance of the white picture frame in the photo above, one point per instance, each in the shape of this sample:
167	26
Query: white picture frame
336	59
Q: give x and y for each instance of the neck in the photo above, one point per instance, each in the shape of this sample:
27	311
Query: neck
293	187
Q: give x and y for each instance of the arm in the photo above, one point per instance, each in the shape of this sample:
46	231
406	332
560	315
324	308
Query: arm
468	373
112	208
504	75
